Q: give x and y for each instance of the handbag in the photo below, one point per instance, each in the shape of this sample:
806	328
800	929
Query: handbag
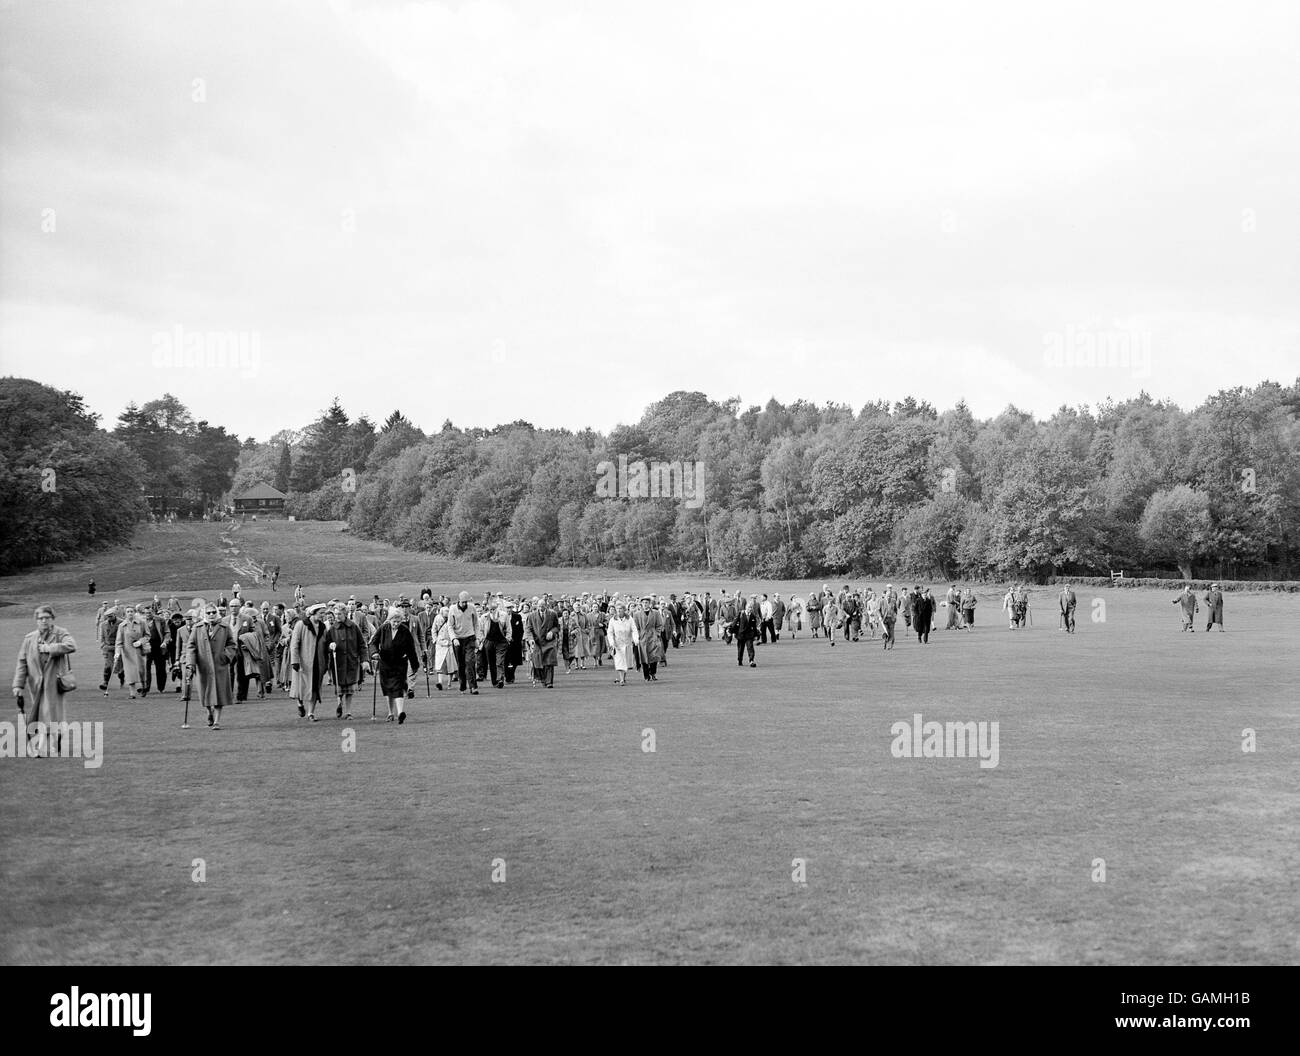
66	682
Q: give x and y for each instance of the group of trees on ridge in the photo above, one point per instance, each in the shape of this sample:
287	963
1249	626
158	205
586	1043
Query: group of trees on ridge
789	491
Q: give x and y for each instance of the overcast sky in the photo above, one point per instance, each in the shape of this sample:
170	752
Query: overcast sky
562	211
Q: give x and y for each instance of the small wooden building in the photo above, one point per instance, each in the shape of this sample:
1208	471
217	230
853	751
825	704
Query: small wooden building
261	500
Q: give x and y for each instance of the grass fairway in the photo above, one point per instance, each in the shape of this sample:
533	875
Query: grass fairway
1123	743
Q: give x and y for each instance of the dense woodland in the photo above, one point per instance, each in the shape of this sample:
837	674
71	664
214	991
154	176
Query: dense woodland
789	491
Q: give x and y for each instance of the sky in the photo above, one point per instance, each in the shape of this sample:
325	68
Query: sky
563	211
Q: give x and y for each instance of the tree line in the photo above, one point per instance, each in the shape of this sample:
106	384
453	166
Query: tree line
798	490
787	491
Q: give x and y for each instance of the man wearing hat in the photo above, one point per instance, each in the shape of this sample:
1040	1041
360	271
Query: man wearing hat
727	612
1214	607
106	630
1187	600
544	634
650	630
923	615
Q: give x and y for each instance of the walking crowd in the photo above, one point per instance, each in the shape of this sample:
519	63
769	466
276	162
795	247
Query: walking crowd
220	651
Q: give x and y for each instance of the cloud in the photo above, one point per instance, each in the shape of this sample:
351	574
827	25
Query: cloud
490	211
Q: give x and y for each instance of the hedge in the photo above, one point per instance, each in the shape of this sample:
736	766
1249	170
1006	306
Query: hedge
1287	586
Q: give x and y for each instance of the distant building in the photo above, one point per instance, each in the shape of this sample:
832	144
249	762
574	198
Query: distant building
261	500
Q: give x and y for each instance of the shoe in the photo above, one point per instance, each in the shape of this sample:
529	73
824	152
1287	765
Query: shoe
348	715
438	687
473	692
103	686
410	694
752	664
313	718
210	718
338	712
216	725
401	718
389	719
301	711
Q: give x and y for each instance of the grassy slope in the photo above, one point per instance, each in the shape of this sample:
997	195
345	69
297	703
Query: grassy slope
1121	743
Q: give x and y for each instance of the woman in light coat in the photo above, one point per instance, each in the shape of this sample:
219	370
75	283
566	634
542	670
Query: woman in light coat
444	647
622	637
301	658
42	661
581	636
132	649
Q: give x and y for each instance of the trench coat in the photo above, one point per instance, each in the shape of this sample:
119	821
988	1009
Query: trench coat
209	654
649	629
134	658
37	674
544	633
304	682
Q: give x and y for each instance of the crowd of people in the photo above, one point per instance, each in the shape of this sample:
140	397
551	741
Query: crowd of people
219	651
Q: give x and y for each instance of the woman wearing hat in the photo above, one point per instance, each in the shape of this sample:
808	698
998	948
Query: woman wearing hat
301	656
444	650
813	606
597	629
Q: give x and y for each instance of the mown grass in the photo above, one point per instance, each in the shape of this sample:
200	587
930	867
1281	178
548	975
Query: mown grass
1122	743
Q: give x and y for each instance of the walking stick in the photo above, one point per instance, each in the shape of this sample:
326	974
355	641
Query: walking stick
374	696
334	677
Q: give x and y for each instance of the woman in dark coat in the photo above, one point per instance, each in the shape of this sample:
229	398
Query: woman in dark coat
394	647
515	647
